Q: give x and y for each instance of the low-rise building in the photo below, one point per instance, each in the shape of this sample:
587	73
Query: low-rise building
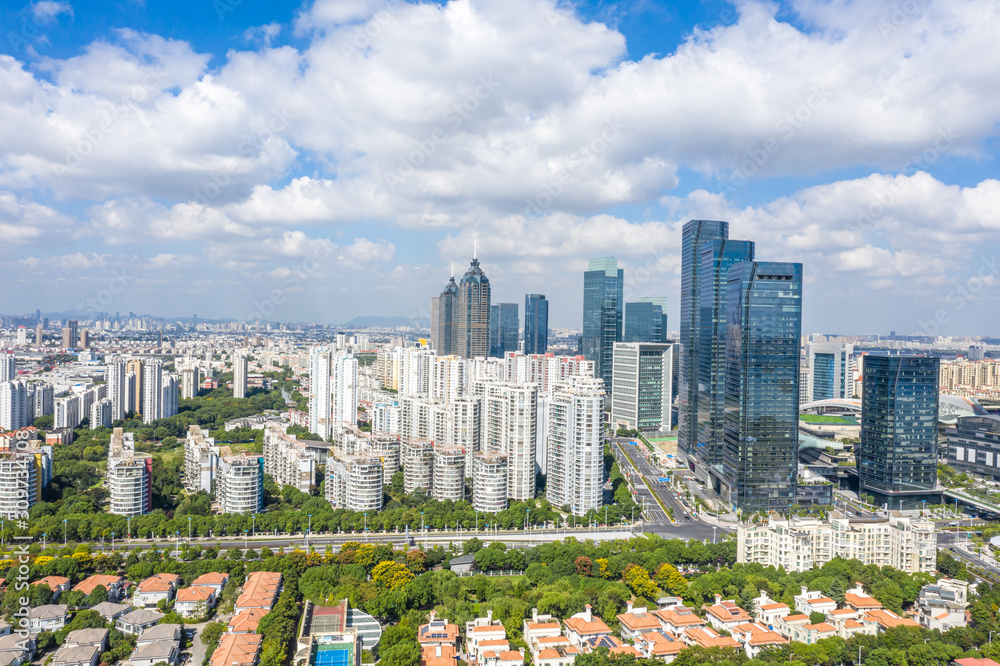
437	631
195	601
111	611
16	650
58	585
115	585
237	650
214	579
636	622
51	617
886	619
678	619
707	637
768	611
849	622
942	604
96	637
247	621
584	626
812	601
483	629
260	590
137	621
156	588
659	645
76	655
755	637
726	614
857	599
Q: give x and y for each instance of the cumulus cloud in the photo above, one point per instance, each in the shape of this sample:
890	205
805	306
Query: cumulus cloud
46	10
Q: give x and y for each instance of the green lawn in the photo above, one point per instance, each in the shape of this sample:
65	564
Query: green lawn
817	418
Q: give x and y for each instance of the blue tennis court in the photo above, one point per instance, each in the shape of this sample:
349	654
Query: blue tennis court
332	656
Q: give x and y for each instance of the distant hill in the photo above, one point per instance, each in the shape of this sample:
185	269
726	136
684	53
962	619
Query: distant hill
386	322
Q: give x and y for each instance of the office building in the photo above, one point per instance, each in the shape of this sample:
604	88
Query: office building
489	482
831	371
100	414
239	484
201	460
974	445
510	422
239	376
471	318
763	325
603	309
536	324
116	377
8	367
646	320
504	329
898	541
190	381
641	394
696	233
443	319
152	390
130	476
897	454
575	445
13	404
320	392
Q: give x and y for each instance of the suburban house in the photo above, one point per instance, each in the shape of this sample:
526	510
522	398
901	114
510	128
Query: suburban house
636	622
726	614
260	590
14	650
858	600
58	585
812	601
483	629
195	601
678	619
245	622
237	650
115	585
886	619
214	579
707	637
47	618
437	631
942	604
76	655
81	637
583	627
754	637
659	645
155	589
137	621
111	611
768	611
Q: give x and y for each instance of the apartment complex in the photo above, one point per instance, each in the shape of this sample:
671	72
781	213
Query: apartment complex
289	461
129	476
240	483
905	543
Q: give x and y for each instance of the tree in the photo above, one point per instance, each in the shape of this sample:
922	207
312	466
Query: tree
816	617
391	575
583	565
638	580
416	561
212	632
401	654
670	579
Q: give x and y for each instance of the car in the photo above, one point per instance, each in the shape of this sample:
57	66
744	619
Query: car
687	517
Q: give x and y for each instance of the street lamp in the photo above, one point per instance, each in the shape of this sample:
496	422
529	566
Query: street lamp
189	528
422	530
309	529
714	527
112	542
245	532
254	524
64	531
366	527
128	524
477	522
43	541
2	523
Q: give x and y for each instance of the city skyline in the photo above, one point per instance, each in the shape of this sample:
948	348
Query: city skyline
294	215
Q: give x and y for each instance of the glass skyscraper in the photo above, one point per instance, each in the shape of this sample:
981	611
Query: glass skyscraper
696	233
763	325
716	258
831	370
504	329
897	455
442	318
536	324
470	337
646	320
603	288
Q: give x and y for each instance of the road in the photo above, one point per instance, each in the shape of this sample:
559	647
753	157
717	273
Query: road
638	469
948	541
196	649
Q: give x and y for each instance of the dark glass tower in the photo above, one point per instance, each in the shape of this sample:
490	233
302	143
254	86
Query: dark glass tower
696	233
442	318
717	257
504	329
646	320
536	324
603	287
897	456
471	322
761	437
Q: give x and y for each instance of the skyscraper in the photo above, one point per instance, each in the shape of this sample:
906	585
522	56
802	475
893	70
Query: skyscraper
191	381
39	335
763	324
152	390
510	418
345	392
443	318
471	320
115	375
716	257
897	455
504	325
320	392
134	366
646	320
575	446
641	393
239	376
13	404
8	367
536	324
603	287
831	370
695	234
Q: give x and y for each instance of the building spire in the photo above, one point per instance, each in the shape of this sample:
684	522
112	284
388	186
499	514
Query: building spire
453	270
475	243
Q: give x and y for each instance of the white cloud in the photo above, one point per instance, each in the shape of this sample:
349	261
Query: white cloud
46	10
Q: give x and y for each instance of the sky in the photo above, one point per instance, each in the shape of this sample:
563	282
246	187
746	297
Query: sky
320	161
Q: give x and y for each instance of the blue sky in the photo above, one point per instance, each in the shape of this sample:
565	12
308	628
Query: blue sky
320	161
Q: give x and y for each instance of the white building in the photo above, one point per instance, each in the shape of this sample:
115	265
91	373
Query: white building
171	396
100	414
641	392
575	445
289	461
355	482
448	481
239	376
116	378
320	392
942	604
201	459
8	367
190	380
152	390
13	403
418	464
345	392
489	482
130	476
902	542
239	484
831	371
45	399
510	420
23	474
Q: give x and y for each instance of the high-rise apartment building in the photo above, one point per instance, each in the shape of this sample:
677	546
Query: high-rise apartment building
13	404
489	482
289	461
510	420
897	454
471	319
171	397
201	460
448	476
25	470
70	335
45	395
696	233
39	336
716	257
536	324
115	376
152	390
239	376
504	329
603	309
642	393
134	367
646	320
575	445
345	392
240	484
100	414
763	325
130	476
320	392
443	319
354	482
831	371
190	380
8	367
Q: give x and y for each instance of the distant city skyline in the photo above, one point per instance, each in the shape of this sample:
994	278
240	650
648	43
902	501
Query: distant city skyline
263	165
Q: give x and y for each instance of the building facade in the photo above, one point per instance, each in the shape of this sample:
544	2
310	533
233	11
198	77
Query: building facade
129	477
974	445
831	371
510	420
646	320
504	329
240	484
575	445
239	376
471	319
603	310
641	395
536	324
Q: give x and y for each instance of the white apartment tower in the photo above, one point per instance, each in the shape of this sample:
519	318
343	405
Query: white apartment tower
171	396
575	445
509	415
489	482
116	377
345	392
8	369
130	476
320	392
448	482
152	390
190	380
13	404
201	459
239	484
239	376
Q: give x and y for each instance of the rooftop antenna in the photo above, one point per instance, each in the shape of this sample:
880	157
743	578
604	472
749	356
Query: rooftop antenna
453	270
475	242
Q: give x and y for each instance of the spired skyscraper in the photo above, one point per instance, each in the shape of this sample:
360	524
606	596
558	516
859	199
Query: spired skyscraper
504	329
763	325
470	332
536	324
603	288
442	318
897	455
